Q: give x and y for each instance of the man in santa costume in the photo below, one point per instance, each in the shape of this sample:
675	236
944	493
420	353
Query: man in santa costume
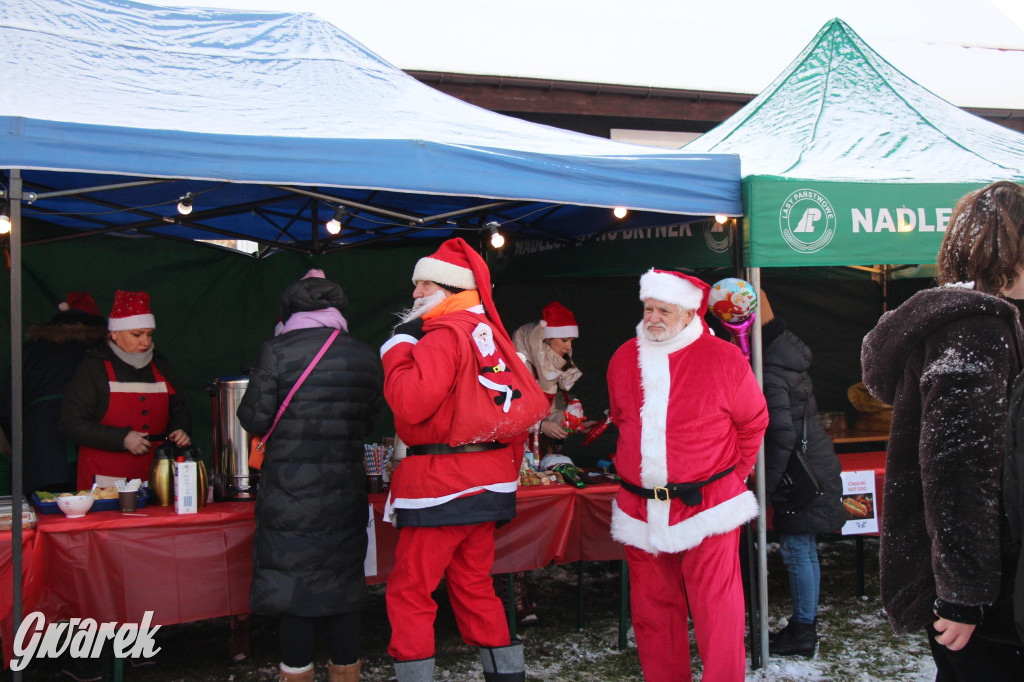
462	400
691	417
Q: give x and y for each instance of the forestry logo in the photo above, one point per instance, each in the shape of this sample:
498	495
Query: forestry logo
718	237
81	638
807	221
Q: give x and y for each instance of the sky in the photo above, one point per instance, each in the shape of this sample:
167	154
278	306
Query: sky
962	50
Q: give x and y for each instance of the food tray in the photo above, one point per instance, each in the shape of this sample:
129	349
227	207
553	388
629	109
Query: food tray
28	515
50	507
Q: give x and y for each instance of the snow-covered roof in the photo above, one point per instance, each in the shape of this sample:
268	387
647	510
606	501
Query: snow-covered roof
966	51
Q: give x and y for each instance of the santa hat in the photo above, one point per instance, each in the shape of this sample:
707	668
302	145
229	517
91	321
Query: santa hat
559	322
685	291
131	311
449	265
81	301
456	264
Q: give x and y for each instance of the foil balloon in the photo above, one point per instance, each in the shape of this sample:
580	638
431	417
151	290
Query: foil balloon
733	301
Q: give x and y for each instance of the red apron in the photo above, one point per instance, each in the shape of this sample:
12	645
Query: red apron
140	406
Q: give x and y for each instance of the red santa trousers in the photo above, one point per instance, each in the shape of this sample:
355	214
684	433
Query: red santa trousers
705	579
461	554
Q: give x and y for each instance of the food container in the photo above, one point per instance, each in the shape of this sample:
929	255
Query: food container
232	479
75	506
49	506
28	516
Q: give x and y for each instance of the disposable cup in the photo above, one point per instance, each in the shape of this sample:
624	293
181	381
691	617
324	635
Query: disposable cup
128	498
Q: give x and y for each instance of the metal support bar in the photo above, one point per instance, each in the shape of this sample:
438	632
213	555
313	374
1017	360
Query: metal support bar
14	197
579	595
623	602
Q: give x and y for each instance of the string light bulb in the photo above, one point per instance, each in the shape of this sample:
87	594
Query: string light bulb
721	219
620	212
334	224
497	239
185	204
5	221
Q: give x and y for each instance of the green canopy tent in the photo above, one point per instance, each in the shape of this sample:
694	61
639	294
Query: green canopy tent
846	161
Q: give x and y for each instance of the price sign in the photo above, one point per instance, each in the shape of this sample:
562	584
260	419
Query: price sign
859	502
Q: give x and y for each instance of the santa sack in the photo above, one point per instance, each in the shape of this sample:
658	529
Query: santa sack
496	397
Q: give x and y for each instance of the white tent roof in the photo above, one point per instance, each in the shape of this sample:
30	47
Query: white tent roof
965	51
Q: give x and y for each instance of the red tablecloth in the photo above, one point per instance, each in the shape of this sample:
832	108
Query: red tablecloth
115	567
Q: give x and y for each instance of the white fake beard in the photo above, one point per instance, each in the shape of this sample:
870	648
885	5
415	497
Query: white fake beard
422	306
659	333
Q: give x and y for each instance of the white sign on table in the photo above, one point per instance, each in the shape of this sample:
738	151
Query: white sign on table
859	502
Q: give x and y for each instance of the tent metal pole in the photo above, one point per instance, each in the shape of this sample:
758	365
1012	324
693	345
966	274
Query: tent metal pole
14	204
754	277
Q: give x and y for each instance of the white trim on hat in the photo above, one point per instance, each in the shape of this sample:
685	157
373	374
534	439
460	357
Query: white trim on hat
442	272
667	287
143	321
566	332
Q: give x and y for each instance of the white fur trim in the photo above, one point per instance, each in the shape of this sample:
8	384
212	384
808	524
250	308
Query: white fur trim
442	272
143	321
288	670
671	289
395	340
656	384
566	332
394	503
656	535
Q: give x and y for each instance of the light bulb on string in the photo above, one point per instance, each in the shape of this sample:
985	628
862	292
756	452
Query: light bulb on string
334	224
721	219
5	222
185	204
620	212
497	239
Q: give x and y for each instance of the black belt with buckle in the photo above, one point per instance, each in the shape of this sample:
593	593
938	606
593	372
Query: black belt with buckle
445	449
689	493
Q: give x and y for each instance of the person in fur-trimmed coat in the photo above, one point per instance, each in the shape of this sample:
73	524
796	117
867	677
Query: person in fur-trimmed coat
691	417
945	360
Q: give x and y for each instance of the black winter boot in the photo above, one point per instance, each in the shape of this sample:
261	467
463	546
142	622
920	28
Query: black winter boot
796	639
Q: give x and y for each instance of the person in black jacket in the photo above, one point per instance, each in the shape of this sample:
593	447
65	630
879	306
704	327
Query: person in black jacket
312	508
791	409
945	360
50	356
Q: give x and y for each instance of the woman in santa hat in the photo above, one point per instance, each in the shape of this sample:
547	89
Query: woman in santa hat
123	399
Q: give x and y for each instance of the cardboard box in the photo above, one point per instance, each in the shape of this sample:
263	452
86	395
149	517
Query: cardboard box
186	475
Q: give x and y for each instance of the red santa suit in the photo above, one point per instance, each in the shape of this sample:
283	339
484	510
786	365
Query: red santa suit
462	401
688	409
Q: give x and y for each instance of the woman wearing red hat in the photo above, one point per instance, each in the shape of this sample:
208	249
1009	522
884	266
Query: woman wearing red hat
122	400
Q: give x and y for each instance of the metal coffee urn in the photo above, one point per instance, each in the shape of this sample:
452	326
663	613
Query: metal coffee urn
232	479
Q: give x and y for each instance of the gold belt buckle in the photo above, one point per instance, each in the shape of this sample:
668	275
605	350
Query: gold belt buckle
658	492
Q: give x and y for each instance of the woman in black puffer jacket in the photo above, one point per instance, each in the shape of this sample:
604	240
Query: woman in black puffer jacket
790	398
311	509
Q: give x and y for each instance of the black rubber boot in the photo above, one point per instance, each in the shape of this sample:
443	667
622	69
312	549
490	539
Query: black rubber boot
796	639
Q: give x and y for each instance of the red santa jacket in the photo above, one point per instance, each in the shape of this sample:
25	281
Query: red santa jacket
686	409
461	383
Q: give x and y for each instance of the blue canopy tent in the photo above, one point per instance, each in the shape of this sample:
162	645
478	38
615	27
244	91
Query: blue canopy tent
112	111
270	124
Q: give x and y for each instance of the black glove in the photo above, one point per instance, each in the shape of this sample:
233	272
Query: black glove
413	328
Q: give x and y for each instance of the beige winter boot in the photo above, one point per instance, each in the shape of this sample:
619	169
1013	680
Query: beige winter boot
289	674
344	673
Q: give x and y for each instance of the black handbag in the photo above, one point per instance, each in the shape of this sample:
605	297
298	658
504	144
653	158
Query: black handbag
800	483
